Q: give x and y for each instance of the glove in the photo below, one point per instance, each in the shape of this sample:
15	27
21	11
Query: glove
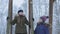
7	18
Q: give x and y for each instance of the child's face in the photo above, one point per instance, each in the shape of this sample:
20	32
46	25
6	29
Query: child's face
20	13
47	21
40	20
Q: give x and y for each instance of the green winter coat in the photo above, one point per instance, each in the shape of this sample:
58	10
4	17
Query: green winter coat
20	24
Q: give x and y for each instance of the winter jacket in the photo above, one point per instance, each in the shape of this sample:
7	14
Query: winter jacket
20	22
42	28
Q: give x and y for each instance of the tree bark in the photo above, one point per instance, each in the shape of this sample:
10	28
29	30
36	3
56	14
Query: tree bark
31	16
50	14
9	26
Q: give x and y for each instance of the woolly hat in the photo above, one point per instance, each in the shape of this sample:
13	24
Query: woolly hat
44	18
20	11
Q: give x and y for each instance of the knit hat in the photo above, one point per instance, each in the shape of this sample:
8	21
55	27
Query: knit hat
44	18
20	11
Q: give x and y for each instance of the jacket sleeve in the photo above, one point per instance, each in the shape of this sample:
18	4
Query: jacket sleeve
26	21
14	21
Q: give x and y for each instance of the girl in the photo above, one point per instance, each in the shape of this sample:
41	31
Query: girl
42	27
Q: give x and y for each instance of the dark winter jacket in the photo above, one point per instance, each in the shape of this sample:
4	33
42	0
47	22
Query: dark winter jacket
42	28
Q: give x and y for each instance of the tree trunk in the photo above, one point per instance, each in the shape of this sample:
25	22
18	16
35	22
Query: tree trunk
31	16
50	14
9	26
